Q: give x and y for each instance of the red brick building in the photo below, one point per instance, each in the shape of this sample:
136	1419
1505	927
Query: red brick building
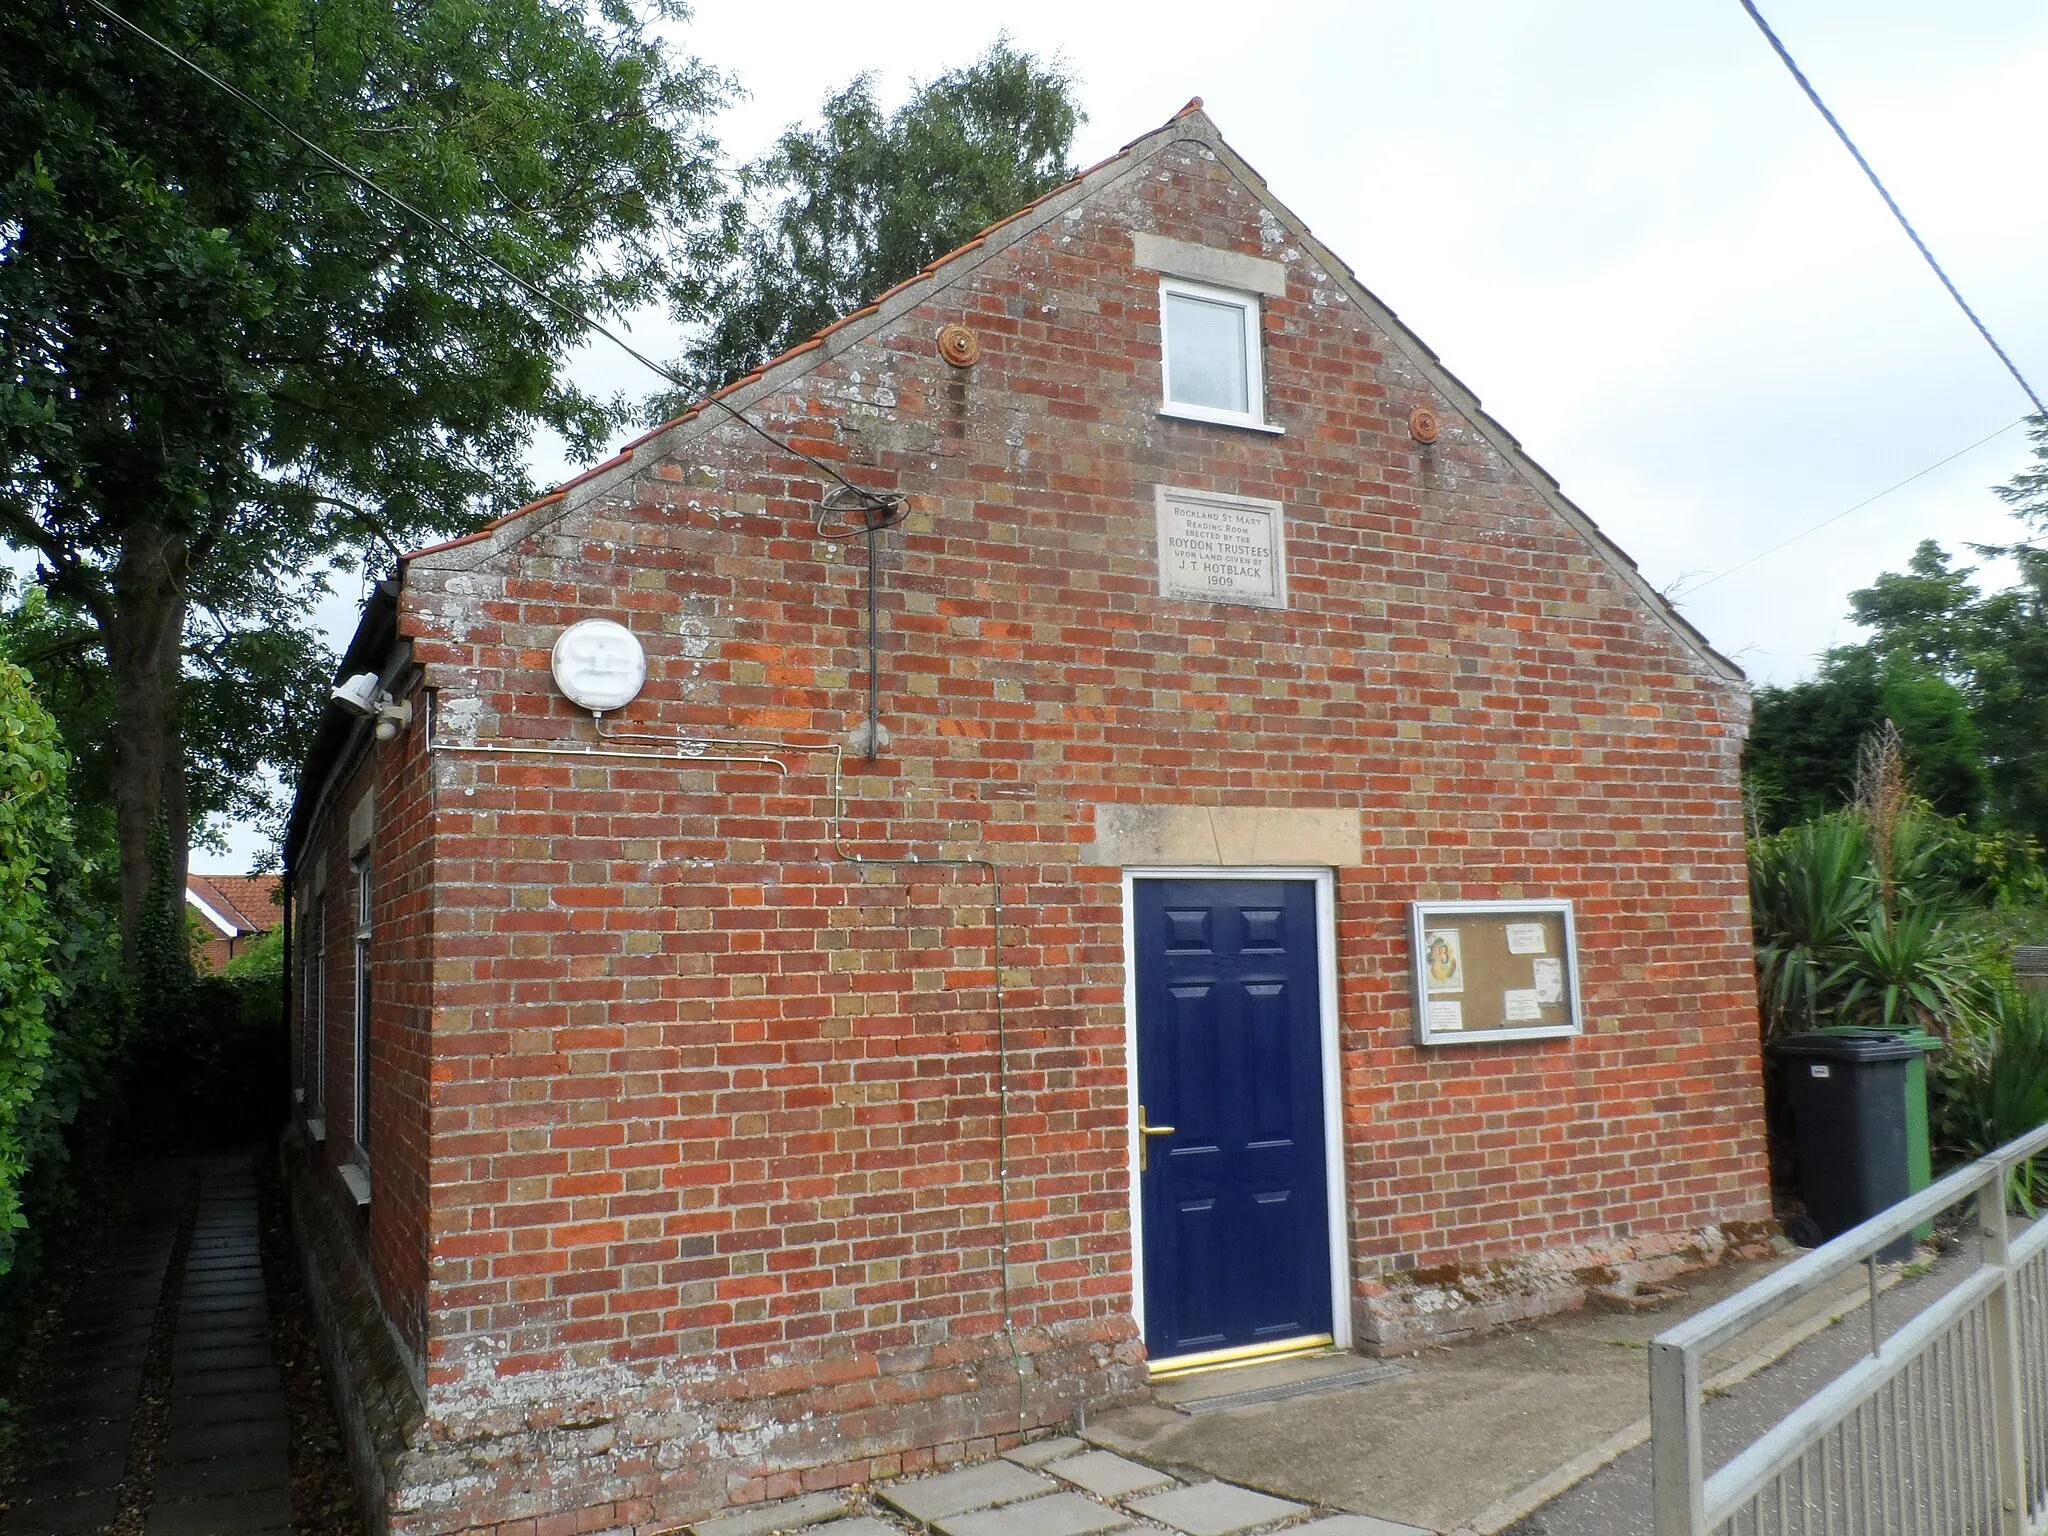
697	1107
232	912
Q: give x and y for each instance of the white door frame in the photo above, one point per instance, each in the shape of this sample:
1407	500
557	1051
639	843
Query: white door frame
1325	881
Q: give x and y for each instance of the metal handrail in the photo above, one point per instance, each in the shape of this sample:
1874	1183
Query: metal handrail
1688	1502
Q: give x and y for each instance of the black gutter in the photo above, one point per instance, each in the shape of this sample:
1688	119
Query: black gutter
376	633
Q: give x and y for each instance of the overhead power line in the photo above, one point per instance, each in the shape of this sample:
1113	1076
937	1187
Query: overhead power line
877	500
1892	203
1866	501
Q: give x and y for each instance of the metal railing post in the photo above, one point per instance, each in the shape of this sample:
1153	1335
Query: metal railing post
2001	1316
1678	1471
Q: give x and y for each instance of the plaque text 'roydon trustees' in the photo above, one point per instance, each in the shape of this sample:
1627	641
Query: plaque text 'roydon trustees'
1225	549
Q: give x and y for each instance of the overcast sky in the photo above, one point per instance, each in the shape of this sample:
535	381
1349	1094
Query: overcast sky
1618	222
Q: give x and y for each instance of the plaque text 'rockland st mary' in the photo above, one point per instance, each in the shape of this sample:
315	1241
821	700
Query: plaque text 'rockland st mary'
1226	549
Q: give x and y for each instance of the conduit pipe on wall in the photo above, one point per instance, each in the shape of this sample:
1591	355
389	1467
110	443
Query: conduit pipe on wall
689	752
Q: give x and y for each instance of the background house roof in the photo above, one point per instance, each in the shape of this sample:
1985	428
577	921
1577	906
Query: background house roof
236	904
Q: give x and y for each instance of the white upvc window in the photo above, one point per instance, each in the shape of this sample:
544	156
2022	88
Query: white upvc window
1209	339
316	991
362	999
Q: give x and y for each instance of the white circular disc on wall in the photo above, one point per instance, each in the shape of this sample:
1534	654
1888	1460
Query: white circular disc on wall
599	665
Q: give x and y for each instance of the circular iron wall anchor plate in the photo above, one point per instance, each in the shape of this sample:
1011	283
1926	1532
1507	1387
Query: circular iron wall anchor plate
959	346
599	665
1422	424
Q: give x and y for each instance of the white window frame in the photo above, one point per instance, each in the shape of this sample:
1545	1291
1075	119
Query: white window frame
1247	305
360	871
317	986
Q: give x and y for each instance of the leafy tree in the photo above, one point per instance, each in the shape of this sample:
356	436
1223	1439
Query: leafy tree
226	368
1993	648
1800	760
35	833
249	700
836	214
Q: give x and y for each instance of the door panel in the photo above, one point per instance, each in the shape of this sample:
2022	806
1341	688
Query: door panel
1235	1200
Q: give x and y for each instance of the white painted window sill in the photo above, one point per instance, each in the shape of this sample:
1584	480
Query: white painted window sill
317	1129
1183	413
358	1181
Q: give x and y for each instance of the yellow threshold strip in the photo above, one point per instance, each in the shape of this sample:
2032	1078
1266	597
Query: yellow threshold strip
1245	1354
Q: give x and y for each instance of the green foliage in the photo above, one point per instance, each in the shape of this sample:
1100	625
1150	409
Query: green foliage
1961	673
262	959
164	971
214	1069
1999	1090
1810	889
227	371
1800	760
1856	912
1912	971
836	214
35	836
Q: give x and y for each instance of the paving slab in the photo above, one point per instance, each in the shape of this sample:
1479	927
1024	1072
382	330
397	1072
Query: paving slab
82	1515
782	1515
199	1442
1108	1476
236	1514
245	1473
1057	1514
1039	1452
72	1476
226	1408
1215	1509
1356	1525
977	1487
210	1381
75	1441
224	1357
858	1525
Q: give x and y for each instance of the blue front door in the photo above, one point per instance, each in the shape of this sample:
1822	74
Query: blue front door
1234	1198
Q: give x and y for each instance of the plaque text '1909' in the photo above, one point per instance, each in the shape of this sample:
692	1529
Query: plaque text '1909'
1225	549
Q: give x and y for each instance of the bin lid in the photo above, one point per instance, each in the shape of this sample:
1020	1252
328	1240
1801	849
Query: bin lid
1849	1045
1920	1037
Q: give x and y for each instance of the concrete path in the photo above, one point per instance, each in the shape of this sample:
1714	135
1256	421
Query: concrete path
164	1401
1615	1501
1469	1438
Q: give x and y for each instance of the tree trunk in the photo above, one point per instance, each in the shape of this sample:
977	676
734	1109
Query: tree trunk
145	653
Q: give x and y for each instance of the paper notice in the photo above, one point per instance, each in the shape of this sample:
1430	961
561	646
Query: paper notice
1526	939
1549	981
1446	1018
1443	960
1520	1005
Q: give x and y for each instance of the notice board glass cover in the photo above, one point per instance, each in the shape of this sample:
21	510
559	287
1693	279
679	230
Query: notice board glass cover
1493	970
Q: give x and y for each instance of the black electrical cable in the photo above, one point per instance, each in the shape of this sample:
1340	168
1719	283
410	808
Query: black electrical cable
1831	521
1890	202
881	501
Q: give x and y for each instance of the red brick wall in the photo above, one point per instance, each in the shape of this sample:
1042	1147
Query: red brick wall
393	1230
713	1131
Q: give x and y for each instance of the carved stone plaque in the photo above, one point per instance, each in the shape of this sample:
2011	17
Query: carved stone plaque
1222	549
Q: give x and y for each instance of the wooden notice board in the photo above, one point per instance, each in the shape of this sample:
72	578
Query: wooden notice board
1493	970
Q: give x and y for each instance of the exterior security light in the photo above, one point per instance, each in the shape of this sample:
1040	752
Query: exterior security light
358	695
599	665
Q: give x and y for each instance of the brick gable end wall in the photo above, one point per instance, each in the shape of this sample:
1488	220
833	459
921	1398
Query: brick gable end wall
713	1209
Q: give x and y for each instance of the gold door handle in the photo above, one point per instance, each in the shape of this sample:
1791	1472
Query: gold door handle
1145	1135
